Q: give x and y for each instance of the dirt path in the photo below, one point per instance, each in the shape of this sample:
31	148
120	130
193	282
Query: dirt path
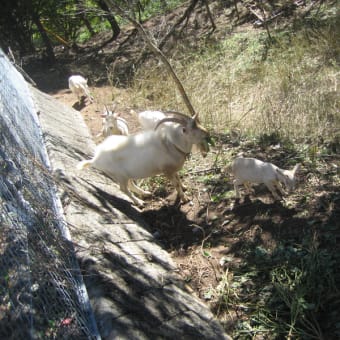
133	284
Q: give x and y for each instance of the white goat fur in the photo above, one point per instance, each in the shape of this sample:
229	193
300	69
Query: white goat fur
78	86
113	125
145	154
252	170
149	119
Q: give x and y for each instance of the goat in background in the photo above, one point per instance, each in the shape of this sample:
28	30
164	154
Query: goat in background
78	86
113	124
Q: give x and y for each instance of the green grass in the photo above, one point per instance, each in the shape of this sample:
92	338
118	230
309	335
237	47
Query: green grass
290	292
281	92
243	82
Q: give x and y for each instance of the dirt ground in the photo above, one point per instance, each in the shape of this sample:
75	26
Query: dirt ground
212	237
213	234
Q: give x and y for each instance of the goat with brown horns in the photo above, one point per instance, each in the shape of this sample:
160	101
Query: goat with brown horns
148	153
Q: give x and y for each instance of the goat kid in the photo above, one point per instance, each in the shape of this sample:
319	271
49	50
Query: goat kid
113	124
78	86
252	170
148	153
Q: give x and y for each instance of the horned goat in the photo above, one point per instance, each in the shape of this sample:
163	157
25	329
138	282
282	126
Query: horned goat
149	120
78	86
113	124
148	153
252	170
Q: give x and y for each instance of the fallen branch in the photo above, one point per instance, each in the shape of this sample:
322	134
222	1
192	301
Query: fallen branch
215	170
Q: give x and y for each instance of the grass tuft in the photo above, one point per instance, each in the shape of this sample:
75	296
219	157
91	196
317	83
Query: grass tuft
290	87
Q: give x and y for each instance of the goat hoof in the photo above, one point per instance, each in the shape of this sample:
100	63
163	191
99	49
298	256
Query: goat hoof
139	203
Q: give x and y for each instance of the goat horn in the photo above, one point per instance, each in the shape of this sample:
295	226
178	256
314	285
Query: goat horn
175	113
171	119
194	119
106	110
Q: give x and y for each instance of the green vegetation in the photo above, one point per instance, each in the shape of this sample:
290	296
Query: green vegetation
274	95
290	85
284	292
279	92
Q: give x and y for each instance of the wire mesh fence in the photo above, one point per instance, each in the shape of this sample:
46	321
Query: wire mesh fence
42	295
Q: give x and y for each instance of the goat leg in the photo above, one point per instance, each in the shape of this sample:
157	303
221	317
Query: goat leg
176	181
124	188
236	184
137	190
279	187
271	187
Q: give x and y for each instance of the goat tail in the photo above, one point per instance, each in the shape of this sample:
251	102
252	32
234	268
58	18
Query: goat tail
84	164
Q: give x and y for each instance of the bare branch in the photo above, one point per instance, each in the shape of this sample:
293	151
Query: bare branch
209	15
185	16
154	48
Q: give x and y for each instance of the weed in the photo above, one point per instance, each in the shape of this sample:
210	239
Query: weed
281	97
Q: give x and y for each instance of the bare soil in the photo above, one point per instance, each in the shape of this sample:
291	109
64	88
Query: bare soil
212	236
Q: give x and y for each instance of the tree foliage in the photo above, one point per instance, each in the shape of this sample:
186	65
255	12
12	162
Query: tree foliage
26	25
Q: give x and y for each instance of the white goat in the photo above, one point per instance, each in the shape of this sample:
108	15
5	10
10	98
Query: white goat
252	170
148	153
149	120
113	124
78	86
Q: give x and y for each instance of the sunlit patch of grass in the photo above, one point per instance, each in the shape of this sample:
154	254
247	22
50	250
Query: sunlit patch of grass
290	87
282	99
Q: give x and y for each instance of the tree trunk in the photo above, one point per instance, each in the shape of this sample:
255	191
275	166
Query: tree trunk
81	10
185	16
110	18
150	41
164	5
209	14
44	36
88	26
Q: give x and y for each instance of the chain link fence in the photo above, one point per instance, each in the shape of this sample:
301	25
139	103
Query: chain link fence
42	295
